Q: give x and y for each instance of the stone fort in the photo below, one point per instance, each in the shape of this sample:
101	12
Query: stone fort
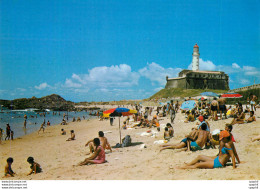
198	79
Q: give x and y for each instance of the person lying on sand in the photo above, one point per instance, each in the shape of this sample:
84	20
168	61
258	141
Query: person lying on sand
256	138
72	136
251	117
194	141
35	167
8	169
210	162
103	140
240	117
97	157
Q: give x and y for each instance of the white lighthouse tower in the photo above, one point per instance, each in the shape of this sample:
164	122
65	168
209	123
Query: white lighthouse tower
195	58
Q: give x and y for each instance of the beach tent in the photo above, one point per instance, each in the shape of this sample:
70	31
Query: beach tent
188	105
231	95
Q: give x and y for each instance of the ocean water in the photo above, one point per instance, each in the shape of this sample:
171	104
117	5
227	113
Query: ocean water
16	120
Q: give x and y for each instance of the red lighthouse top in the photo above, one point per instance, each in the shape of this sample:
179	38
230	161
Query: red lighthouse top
196	45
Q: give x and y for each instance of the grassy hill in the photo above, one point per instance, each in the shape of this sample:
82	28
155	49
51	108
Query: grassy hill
178	92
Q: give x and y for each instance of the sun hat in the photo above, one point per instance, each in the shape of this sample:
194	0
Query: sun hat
223	134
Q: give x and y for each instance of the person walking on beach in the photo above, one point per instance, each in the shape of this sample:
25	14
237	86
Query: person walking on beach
8	131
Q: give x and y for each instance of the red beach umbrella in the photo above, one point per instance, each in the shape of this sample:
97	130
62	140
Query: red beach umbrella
231	95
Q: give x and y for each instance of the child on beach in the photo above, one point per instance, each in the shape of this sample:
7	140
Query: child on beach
63	132
41	128
35	167
72	136
97	157
170	129
8	169
166	134
12	135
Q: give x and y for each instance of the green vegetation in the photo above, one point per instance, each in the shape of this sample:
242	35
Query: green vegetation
178	92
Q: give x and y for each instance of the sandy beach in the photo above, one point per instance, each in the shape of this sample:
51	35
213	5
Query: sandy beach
57	156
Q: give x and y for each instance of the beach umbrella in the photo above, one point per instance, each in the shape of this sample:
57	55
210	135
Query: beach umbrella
209	94
188	105
231	95
118	112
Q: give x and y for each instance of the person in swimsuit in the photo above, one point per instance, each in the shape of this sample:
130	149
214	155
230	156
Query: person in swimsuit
35	167
194	141
97	157
210	162
251	117
103	140
222	107
214	106
8	169
240	117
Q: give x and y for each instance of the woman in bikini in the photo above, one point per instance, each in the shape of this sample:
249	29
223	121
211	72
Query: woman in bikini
97	157
227	150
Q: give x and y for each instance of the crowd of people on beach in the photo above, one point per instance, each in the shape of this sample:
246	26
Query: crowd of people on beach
199	138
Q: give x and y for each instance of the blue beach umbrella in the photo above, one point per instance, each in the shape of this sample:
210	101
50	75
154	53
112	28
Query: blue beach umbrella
209	94
188	105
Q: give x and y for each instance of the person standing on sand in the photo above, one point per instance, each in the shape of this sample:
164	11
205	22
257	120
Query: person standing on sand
214	106
24	124
253	99
222	107
8	131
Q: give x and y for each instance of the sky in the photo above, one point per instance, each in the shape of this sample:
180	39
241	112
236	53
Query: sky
112	50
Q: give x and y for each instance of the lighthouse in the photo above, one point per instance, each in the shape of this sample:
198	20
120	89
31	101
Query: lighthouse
195	58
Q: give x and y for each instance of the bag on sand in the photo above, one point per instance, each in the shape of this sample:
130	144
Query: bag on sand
126	141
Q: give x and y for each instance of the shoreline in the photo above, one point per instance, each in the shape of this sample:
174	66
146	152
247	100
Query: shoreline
57	156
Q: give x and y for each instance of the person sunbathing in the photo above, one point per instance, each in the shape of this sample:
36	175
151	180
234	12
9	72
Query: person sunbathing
35	167
194	141
240	117
103	140
97	157
8	169
210	162
251	117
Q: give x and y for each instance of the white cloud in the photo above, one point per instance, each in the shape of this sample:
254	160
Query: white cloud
70	83
235	65
113	76
158	89
157	73
244	81
42	86
205	65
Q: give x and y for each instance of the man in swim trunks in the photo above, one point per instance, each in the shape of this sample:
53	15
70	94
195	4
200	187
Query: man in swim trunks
222	107
214	106
103	141
199	139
